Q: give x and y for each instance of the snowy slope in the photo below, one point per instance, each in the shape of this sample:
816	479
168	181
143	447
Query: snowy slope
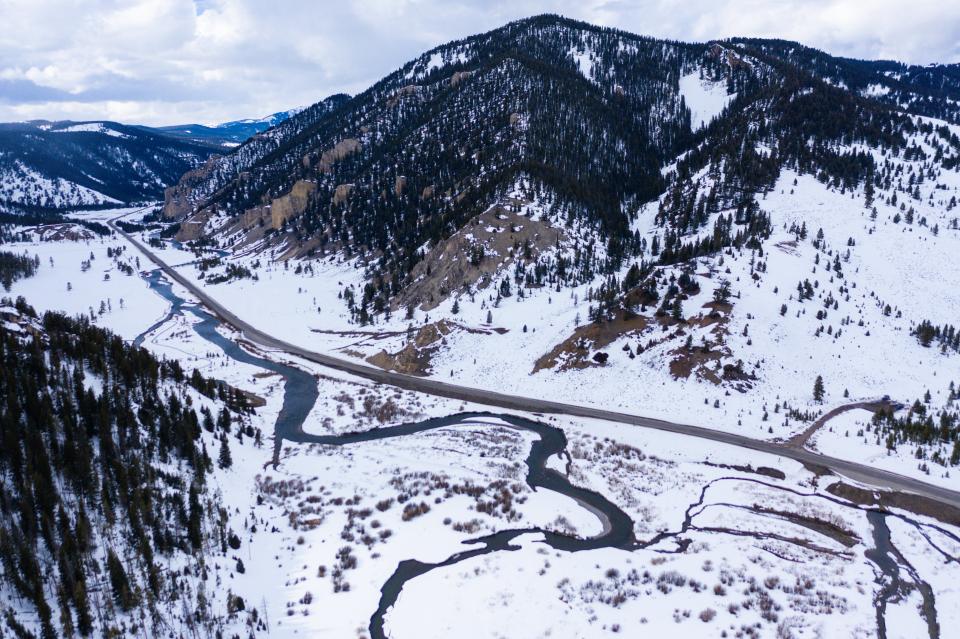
862	351
20	184
705	98
294	521
89	127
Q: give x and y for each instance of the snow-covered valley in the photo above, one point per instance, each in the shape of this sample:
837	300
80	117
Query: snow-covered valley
872	281
725	539
554	331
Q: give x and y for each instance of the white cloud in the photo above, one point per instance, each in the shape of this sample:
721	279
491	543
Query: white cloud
164	61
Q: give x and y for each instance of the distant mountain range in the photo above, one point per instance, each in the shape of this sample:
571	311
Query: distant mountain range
228	134
52	166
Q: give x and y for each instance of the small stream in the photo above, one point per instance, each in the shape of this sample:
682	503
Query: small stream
299	388
893	587
300	395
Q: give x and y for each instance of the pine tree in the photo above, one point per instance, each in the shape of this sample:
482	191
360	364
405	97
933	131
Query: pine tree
721	294
818	389
119	582
224	460
676	311
632	279
195	523
84	620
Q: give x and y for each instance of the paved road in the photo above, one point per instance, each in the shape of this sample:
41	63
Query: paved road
858	472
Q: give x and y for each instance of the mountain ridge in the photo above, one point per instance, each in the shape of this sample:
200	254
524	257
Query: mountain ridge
122	164
54	166
591	118
227	134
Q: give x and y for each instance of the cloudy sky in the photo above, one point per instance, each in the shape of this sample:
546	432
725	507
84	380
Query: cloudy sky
177	61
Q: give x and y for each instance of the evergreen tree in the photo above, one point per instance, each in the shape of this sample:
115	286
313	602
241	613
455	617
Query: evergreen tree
224	460
195	520
119	582
721	294
676	310
818	389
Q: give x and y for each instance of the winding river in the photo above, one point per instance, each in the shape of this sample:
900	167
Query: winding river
299	388
300	395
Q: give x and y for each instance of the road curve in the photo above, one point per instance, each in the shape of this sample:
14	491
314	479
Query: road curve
853	470
873	405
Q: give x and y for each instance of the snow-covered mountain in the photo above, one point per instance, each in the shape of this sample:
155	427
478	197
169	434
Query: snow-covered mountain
52	166
228	134
688	216
593	123
746	236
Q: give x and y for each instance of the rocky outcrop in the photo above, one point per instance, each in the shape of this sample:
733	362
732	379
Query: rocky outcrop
292	204
414	358
475	255
342	149
397	95
731	57
192	227
459	77
342	192
180	199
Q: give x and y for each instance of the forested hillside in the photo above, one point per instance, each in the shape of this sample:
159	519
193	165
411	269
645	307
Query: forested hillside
587	206
181	198
52	166
583	124
106	514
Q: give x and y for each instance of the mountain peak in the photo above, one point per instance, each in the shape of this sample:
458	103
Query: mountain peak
590	122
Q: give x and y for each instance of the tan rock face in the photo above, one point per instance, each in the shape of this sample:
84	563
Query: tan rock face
395	98
414	357
292	204
732	58
178	200
459	77
475	255
192	228
342	192
341	149
252	217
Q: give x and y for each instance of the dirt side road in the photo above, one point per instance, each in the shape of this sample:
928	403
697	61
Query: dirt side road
800	439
